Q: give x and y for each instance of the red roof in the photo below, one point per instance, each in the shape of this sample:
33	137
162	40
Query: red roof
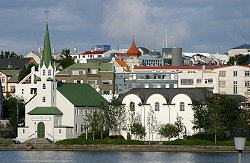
121	63
133	51
178	67
93	52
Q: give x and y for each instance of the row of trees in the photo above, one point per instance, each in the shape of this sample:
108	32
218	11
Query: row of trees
8	54
221	116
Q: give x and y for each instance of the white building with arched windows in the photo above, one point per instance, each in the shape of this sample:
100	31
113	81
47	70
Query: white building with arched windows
166	104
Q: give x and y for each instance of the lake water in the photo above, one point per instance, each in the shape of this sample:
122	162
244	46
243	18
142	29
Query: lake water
118	157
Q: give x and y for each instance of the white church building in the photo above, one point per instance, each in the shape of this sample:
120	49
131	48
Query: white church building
54	111
166	104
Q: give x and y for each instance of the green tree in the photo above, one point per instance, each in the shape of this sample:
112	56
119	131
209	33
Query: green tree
25	71
138	130
14	109
179	125
66	59
169	131
201	116
239	59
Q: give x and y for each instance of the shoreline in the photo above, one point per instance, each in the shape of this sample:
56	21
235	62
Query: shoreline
121	148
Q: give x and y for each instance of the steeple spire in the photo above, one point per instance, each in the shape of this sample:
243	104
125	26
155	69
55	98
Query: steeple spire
46	58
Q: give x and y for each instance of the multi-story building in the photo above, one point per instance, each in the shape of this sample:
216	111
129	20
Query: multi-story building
9	78
99	75
128	80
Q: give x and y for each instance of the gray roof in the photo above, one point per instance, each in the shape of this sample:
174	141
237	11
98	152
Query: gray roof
13	63
199	94
244	46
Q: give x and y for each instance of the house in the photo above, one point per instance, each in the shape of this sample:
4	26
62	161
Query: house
165	104
242	49
99	75
9	79
36	55
56	111
1	100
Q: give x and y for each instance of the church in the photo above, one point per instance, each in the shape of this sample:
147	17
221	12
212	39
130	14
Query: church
55	110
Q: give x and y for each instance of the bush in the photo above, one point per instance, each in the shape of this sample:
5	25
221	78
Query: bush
208	137
188	142
5	142
96	134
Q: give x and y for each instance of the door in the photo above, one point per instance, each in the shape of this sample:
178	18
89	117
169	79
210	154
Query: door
40	130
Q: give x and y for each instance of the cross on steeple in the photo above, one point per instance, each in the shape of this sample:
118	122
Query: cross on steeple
46	11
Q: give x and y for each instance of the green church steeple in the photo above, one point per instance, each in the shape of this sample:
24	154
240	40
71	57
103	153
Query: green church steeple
47	57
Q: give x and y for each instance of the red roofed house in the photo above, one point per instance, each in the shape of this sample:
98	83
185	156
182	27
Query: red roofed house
90	54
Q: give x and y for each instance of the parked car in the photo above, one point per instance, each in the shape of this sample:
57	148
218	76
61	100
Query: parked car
15	141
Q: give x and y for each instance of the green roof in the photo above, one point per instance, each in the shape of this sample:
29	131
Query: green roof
13	73
79	66
45	111
81	94
46	57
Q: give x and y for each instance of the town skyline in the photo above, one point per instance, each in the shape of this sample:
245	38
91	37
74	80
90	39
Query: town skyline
207	26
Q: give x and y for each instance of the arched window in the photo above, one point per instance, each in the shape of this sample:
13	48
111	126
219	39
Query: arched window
44	86
132	106
49	72
44	99
182	106
157	106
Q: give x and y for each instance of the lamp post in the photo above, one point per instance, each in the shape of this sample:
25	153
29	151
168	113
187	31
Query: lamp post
35	132
240	137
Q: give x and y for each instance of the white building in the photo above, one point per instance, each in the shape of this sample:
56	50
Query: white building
166	104
55	111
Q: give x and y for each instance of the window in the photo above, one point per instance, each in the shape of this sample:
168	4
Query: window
132	106
60	131
157	106
235	87
106	92
49	72
93	71
53	100
182	106
23	130
76	128
44	99
2	79
247	83
222	73
187	81
247	73
12	88
235	73
22	90
198	81
106	82
44	86
75	72
77	111
28	80
44	72
208	81
33	90
222	84
92	82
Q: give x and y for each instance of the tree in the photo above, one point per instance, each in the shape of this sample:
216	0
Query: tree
25	71
239	59
138	130
115	115
14	109
169	131
66	59
201	116
179	125
8	54
151	123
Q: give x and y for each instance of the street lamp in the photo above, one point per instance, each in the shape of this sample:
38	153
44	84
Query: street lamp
240	137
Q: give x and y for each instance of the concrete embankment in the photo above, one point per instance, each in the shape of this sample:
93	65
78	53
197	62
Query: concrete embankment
123	148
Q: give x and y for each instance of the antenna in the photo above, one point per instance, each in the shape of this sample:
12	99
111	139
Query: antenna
166	46
46	11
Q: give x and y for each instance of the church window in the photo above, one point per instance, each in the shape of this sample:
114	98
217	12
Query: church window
44	72
60	131
44	99
157	106
182	106
49	72
53	99
23	130
44	86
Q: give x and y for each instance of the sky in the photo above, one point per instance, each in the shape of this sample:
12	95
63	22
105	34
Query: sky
194	25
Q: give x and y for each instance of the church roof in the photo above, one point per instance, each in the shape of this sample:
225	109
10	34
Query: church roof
81	94
133	51
45	111
46	57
